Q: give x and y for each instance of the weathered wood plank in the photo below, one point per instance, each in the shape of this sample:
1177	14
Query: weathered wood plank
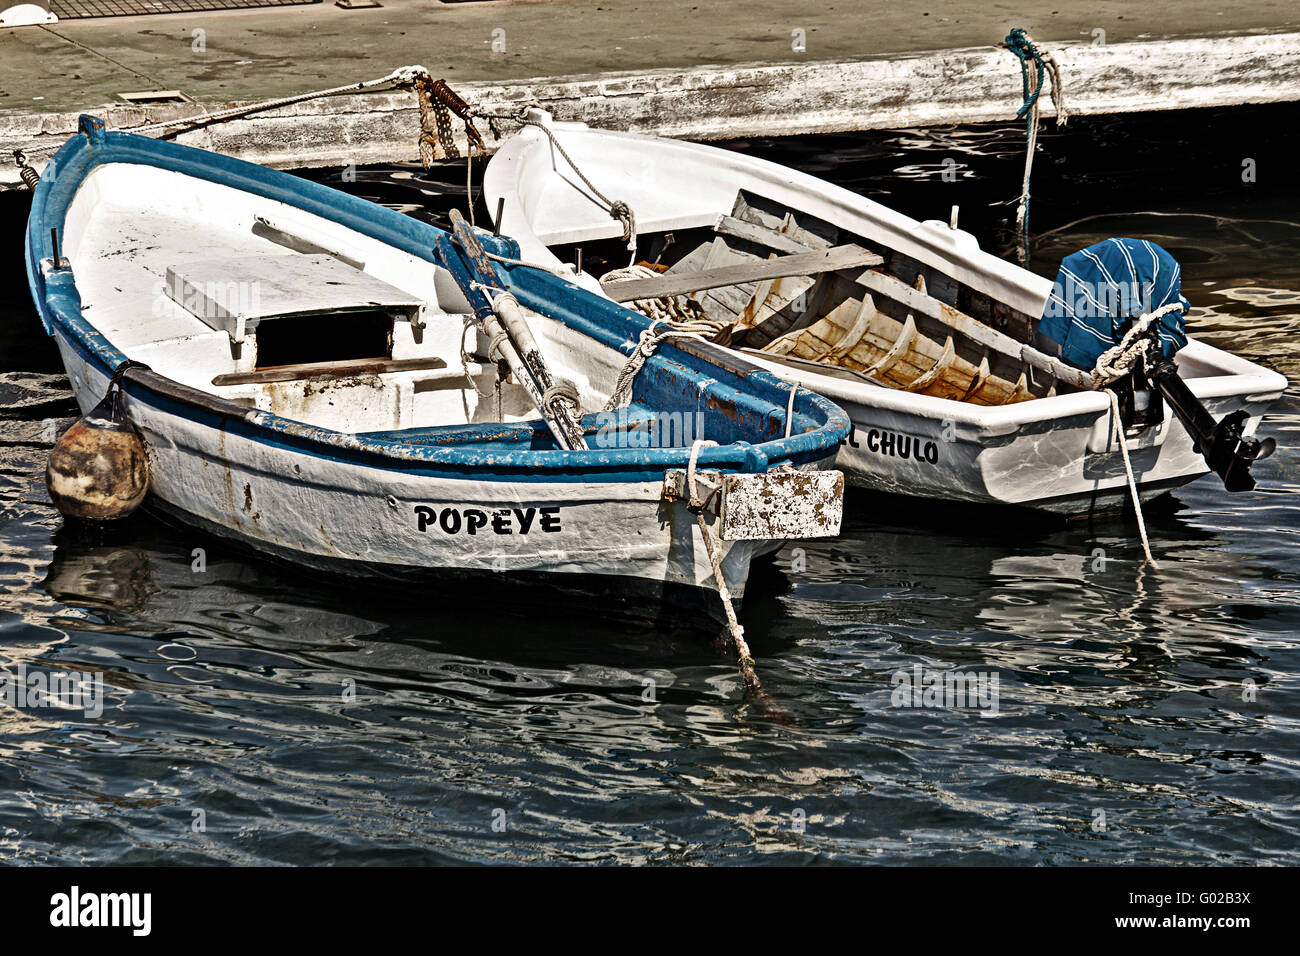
887	285
749	232
806	263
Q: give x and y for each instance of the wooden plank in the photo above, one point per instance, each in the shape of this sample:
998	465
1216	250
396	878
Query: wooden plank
831	371
759	235
344	369
803	264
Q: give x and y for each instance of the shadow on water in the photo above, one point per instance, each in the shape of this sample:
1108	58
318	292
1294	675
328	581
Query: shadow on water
318	720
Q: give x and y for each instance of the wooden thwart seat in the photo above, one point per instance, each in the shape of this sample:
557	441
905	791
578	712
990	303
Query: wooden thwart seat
780	267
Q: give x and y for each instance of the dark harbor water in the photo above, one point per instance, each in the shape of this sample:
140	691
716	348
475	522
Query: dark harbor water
1144	716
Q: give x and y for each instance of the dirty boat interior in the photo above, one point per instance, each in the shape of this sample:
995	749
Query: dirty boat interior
271	307
798	290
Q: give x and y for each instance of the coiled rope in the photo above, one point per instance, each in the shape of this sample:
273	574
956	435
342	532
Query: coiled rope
1034	67
670	308
1120	360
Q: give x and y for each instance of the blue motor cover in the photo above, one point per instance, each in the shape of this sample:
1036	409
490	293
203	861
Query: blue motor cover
1100	290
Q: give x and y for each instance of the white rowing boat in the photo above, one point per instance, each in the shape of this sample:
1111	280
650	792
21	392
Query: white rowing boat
309	387
928	342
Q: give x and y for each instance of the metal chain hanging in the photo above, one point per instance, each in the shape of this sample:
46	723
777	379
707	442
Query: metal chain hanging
437	102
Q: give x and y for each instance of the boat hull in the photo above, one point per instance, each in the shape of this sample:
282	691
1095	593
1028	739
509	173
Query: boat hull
1025	455
331	515
405	472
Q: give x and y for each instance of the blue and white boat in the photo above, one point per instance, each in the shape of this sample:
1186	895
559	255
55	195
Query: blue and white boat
325	380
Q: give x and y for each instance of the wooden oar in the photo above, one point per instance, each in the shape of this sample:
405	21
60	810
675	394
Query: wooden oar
502	321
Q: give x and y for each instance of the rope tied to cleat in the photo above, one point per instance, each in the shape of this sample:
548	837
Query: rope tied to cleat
435	98
1035	68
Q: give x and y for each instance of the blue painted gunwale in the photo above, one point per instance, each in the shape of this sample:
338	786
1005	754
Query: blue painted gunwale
59	305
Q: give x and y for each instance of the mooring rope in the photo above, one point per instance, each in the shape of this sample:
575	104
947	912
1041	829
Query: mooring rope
406	76
617	208
1113	364
1034	66
696	506
648	341
1119	360
1117	429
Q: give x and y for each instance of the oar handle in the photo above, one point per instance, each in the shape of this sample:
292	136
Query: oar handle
476	276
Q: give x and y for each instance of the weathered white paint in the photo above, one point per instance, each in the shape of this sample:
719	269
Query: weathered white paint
129	224
945	86
1053	453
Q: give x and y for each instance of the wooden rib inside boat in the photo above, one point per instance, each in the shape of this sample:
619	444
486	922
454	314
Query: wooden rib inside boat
797	290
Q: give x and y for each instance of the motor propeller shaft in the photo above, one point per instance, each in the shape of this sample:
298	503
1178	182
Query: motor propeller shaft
1223	444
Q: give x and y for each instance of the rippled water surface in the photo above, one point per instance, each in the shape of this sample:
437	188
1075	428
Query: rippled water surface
1144	716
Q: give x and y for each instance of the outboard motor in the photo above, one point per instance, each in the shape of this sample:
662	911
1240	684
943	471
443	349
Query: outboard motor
1117	309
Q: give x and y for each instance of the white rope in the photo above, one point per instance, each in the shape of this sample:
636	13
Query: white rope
1118	430
734	629
617	208
1113	364
399	77
464	361
676	312
561	271
678	309
646	345
1121	359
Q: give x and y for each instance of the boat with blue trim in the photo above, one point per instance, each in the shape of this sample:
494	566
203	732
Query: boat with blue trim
337	384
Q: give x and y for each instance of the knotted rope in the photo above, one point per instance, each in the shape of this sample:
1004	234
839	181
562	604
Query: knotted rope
616	208
696	506
647	343
1113	364
1034	66
562	391
1119	360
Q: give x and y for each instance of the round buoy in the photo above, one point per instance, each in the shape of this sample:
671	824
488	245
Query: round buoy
98	469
